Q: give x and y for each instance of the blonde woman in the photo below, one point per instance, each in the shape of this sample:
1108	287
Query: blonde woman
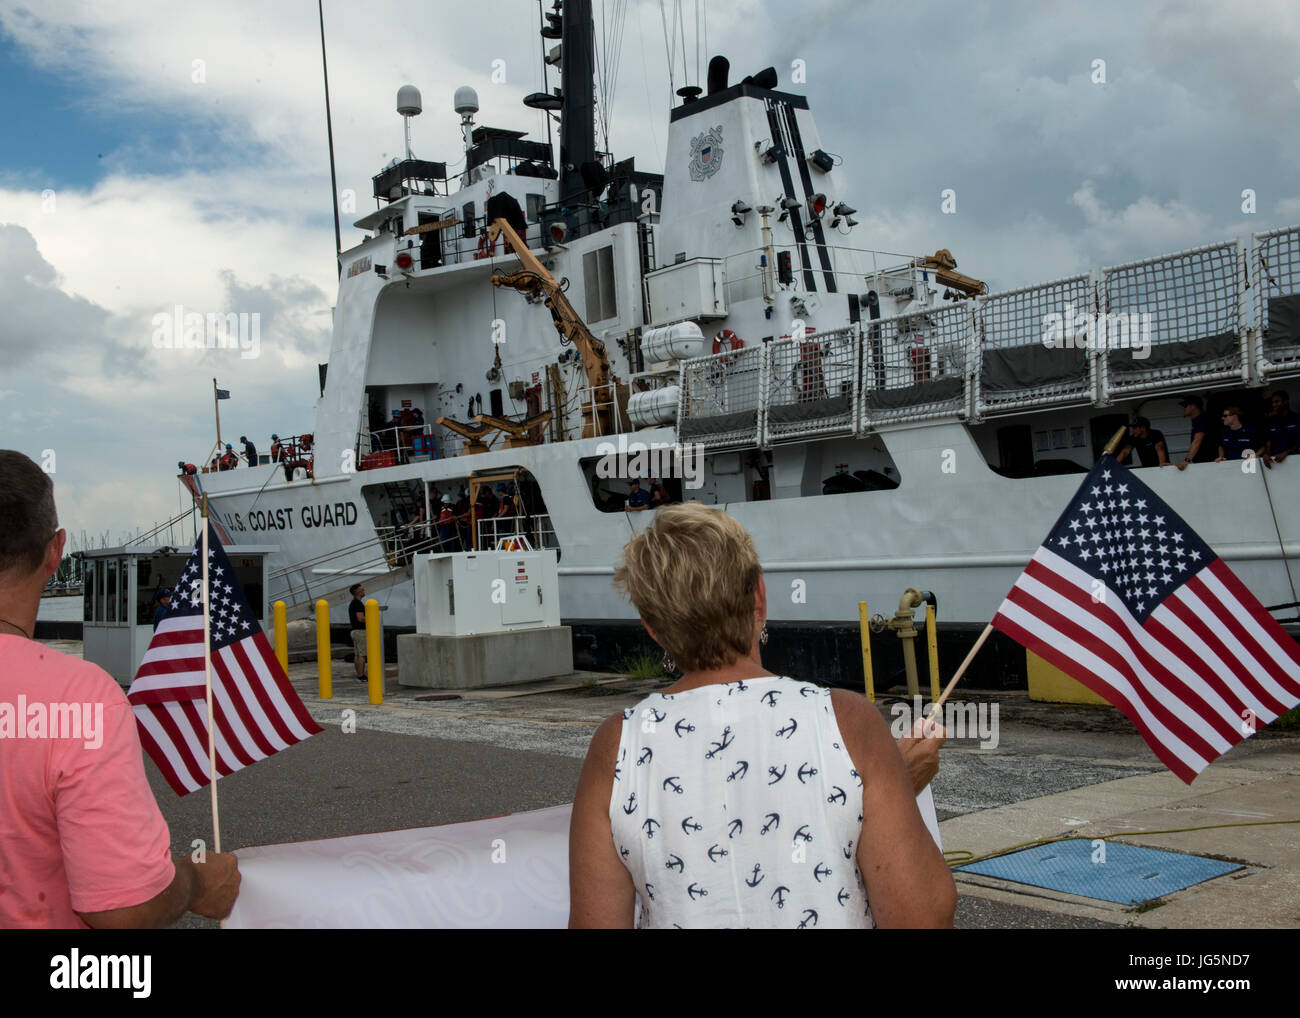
738	797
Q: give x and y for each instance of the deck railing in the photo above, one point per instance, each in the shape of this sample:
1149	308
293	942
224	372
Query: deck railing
1212	315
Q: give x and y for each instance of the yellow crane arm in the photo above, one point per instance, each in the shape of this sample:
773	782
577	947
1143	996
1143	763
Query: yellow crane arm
536	280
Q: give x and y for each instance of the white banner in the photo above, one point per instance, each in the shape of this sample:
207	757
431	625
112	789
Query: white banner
504	872
508	872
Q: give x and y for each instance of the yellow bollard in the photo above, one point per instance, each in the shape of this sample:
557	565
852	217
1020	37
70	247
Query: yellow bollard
932	633
324	667
281	627
374	652
865	626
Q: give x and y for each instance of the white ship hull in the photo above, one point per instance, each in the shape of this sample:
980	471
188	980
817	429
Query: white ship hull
965	536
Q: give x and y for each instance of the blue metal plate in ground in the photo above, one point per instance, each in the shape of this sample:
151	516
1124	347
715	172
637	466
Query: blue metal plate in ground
1128	875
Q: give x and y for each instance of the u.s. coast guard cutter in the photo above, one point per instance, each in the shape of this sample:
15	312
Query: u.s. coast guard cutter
875	422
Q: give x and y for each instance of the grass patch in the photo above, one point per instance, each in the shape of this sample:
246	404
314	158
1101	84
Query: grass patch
1290	720
1147	906
643	665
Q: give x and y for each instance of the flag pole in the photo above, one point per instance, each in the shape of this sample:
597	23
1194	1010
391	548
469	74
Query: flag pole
216	409
207	682
937	706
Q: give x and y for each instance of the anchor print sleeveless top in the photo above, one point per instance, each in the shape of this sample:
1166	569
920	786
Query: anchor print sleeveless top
737	805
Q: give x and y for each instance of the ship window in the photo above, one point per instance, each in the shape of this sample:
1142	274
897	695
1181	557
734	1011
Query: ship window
536	202
88	592
467	217
110	592
124	592
598	277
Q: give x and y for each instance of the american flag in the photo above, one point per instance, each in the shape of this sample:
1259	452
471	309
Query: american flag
256	710
1127	599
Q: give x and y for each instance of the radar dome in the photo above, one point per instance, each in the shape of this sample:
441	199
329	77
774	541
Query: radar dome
465	100
408	101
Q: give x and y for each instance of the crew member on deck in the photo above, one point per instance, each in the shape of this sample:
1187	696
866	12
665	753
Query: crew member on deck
448	537
228	459
1283	430
1201	450
250	451
1236	439
507	500
1150	445
462	517
187	468
637	500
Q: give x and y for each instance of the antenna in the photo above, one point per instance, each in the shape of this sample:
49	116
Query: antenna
465	102
408	105
329	128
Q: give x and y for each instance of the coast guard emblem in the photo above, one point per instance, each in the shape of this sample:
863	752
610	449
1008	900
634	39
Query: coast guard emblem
706	154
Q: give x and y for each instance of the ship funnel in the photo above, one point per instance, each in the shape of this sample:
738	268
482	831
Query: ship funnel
719	67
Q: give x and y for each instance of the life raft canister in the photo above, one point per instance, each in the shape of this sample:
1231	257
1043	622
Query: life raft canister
725	342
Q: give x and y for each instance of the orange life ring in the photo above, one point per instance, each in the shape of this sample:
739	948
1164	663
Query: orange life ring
486	246
726	341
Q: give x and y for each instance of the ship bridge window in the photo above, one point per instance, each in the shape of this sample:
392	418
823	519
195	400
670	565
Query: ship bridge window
467	217
536	202
598	278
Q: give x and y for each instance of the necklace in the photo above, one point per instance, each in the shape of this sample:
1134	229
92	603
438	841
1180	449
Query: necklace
17	627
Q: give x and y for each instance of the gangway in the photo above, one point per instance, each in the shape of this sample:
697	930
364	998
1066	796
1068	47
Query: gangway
304	583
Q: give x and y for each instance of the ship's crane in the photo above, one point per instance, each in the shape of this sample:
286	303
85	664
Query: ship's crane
943	263
536	282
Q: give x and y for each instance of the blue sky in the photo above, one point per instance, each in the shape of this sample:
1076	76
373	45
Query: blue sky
215	193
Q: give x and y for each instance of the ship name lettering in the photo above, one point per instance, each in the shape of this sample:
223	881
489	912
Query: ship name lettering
340	514
270	519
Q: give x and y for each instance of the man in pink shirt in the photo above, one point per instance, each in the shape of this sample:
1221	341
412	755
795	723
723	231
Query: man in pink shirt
82	842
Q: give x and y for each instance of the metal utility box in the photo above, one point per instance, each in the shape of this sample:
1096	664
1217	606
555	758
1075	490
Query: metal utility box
464	593
693	289
118	598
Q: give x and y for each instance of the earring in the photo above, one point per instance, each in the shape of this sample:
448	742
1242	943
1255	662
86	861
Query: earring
669	664
762	637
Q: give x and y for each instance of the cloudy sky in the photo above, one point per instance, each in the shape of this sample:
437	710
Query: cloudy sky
162	153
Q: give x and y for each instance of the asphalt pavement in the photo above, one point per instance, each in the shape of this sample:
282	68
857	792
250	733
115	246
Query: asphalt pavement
423	758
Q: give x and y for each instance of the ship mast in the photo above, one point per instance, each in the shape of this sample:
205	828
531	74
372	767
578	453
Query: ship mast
578	116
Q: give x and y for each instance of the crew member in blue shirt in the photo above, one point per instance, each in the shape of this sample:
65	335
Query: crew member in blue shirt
164	598
1201	450
1236	440
1282	430
637	499
250	451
